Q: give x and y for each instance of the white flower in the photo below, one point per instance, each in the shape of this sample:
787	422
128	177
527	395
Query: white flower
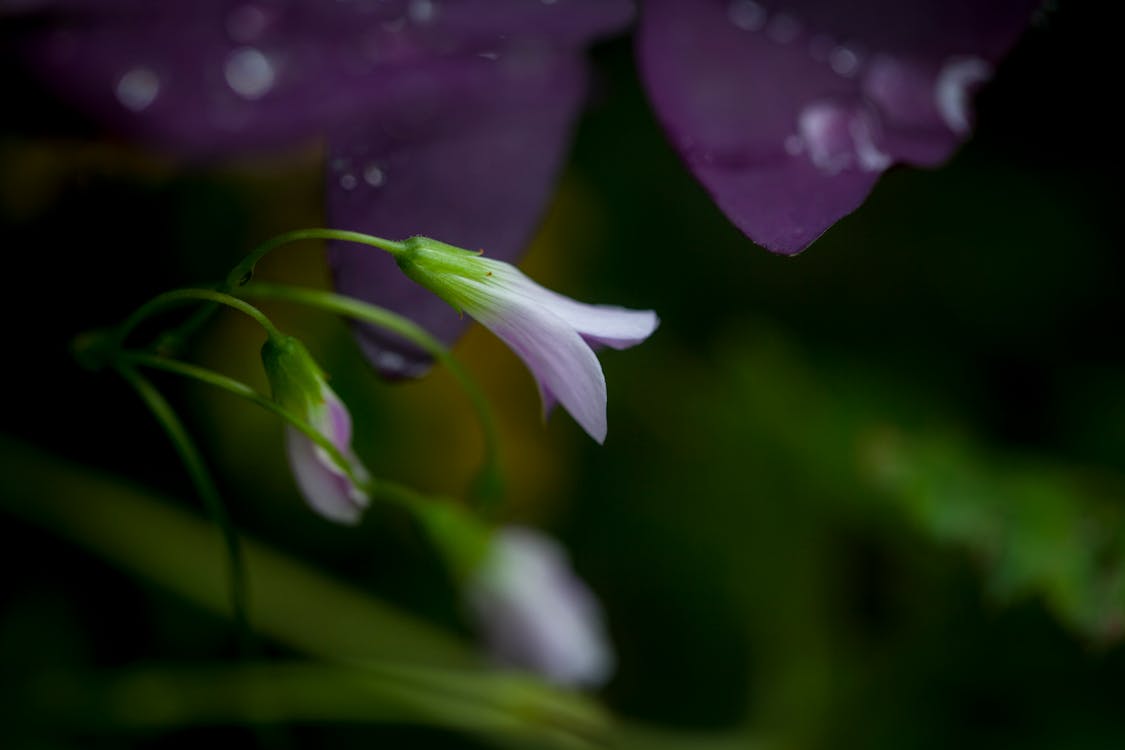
536	613
554	335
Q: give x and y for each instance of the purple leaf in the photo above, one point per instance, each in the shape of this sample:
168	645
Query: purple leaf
474	167
212	77
448	117
788	112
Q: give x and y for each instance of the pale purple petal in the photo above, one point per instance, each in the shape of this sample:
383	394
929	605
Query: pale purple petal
598	325
562	363
788	112
325	486
536	613
474	168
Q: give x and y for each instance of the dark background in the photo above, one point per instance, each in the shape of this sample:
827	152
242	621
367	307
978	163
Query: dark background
756	562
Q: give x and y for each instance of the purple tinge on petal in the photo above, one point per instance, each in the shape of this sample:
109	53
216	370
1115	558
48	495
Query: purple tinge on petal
219	76
598	325
789	111
536	613
325	486
472	163
562	363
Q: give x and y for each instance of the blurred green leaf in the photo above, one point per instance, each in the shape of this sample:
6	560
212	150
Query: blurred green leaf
1037	527
382	665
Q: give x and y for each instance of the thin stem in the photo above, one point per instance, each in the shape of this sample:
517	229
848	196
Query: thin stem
238	388
204	485
407	329
183	296
242	273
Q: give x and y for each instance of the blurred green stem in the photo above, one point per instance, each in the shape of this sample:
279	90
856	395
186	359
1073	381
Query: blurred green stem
238	388
497	705
152	540
204	485
179	297
382	664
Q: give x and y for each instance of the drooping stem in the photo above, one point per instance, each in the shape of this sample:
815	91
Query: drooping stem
241	274
179	297
407	329
204	485
238	388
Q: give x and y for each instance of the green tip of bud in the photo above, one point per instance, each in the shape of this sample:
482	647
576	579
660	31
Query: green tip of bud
442	268
296	380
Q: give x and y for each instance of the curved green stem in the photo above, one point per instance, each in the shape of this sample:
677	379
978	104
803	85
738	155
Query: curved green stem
412	332
204	485
179	297
238	388
244	271
241	274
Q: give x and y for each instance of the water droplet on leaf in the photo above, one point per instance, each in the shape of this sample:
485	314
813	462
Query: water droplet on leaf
137	89
747	15
249	73
374	175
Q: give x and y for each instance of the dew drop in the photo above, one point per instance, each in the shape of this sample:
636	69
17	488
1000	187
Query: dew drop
421	11
374	175
844	61
137	89
953	90
249	73
870	157
340	163
902	91
348	181
493	56
747	15
823	129
389	360
838	137
783	28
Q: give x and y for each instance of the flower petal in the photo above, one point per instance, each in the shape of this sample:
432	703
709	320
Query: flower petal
474	167
788	112
536	613
599	325
562	363
326	488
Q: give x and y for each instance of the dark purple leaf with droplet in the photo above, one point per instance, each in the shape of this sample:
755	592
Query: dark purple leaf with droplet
212	77
449	117
473	167
788	112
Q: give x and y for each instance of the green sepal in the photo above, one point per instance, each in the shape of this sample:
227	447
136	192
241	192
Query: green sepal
296	380
462	539
440	267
